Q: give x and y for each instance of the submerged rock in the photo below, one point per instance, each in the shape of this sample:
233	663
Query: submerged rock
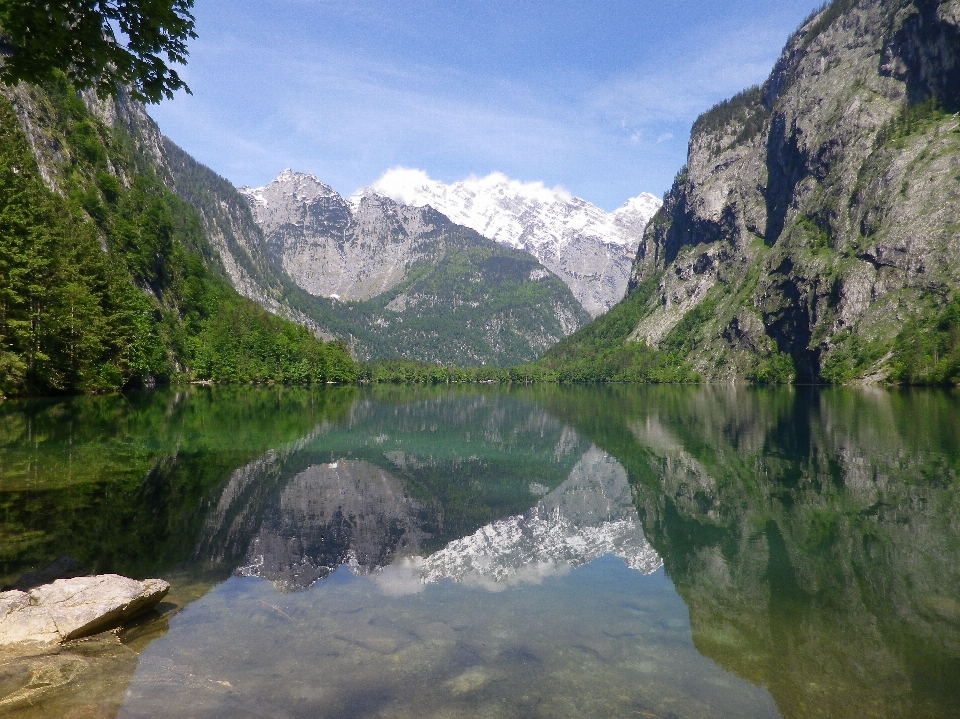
67	609
60	568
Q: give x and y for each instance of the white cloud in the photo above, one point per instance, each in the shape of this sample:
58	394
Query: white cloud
400	578
402	184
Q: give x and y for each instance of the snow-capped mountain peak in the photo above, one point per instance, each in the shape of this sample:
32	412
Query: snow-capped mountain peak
590	249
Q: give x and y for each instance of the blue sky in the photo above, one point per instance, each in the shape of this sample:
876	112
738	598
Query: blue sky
597	97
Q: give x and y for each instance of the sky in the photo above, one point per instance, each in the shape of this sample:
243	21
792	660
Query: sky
595	97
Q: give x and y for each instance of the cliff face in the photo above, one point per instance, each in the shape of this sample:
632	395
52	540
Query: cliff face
333	249
817	217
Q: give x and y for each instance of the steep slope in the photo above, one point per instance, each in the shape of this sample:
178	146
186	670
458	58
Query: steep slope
107	279
587	248
402	281
815	232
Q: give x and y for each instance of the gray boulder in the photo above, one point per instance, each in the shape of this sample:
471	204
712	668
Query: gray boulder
67	609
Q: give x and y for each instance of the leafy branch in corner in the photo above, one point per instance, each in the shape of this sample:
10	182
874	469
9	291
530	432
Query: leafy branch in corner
97	43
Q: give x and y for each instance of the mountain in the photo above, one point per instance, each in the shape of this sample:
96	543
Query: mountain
108	279
401	281
589	249
814	234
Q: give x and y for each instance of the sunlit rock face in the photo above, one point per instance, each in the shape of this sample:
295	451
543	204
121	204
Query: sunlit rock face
346	512
333	249
589	249
588	516
801	223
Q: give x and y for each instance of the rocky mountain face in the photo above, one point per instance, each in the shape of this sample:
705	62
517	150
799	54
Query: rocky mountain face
402	281
333	249
816	226
589	249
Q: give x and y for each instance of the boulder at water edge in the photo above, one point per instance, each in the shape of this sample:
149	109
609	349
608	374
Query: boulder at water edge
70	608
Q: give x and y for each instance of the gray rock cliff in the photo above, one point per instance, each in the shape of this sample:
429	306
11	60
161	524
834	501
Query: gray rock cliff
818	215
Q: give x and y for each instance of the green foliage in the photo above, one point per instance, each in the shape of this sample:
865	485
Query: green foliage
814	236
602	352
927	351
688	332
776	368
911	120
850	358
746	108
108	287
69	319
243	343
78	37
399	371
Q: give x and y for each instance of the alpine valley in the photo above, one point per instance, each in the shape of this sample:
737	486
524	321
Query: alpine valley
811	237
389	280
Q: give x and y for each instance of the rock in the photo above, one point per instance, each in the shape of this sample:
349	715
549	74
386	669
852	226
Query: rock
589	249
509	306
470	681
51	614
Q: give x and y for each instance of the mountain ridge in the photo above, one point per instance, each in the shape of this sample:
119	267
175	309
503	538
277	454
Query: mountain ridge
589	249
398	281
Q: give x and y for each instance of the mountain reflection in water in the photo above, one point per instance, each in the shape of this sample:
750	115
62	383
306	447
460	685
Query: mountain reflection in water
809	545
353	513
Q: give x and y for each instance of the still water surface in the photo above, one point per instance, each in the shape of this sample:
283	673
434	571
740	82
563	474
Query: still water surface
547	552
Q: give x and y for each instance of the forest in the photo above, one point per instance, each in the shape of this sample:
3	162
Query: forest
107	281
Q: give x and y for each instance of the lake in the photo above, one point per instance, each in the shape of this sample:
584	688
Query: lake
613	551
